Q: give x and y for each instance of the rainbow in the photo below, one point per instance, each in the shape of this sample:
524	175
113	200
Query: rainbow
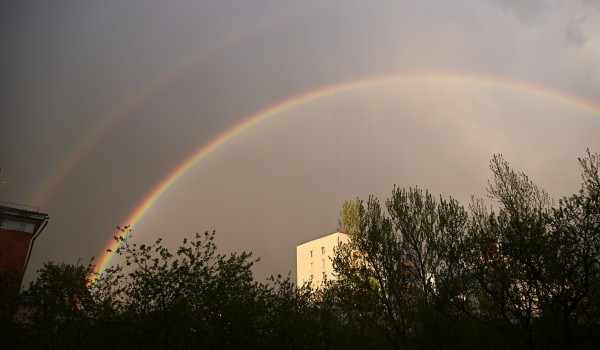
314	96
87	141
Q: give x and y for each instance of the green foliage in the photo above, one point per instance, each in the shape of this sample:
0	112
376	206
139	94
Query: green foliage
349	220
402	263
56	310
571	278
193	297
523	275
419	272
160	299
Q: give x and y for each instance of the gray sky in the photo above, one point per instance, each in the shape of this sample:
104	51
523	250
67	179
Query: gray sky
100	101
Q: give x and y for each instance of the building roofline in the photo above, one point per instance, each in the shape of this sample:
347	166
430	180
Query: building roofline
323	236
23	212
17	206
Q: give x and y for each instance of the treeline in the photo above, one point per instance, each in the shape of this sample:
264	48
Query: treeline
420	272
522	273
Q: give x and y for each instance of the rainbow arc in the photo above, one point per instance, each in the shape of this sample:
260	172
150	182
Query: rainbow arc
319	94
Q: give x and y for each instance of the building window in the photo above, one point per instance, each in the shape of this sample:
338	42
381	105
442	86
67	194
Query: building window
322	250
310	266
323	263
311	253
324	275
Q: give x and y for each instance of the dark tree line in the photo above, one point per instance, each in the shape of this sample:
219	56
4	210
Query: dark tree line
522	273
420	272
193	298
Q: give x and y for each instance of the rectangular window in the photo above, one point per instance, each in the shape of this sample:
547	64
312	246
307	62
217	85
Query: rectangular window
323	263
324	275
311	253
322	250
310	266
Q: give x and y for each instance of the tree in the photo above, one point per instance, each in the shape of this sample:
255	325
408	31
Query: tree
197	298
398	257
571	280
193	297
513	247
419	272
56	309
190	298
522	273
537	270
349	220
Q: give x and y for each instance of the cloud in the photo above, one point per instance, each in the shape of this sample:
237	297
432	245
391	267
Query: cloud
525	11
574	33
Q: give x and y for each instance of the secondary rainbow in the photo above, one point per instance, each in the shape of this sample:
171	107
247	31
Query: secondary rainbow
88	140
314	96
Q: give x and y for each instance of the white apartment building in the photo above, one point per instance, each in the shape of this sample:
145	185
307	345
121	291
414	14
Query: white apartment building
314	258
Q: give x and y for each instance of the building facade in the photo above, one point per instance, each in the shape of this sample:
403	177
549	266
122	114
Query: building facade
19	227
314	259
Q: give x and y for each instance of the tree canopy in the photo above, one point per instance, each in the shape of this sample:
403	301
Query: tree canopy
420	271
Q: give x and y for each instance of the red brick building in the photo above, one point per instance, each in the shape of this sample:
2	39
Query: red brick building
20	225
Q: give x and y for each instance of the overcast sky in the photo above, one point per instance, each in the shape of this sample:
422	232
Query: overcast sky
100	101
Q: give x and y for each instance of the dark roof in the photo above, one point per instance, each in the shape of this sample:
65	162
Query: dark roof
22	212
